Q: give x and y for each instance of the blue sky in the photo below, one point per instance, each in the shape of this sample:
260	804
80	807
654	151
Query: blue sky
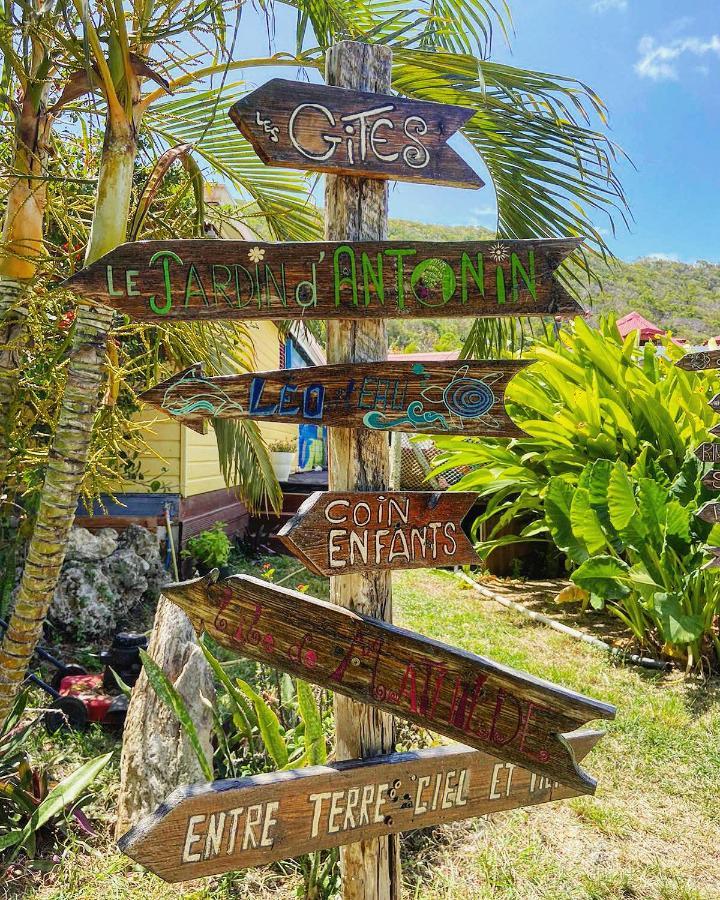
656	64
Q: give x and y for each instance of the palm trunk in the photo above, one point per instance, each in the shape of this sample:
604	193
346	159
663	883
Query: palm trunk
68	456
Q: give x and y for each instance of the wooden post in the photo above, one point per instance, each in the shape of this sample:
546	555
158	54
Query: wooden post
356	209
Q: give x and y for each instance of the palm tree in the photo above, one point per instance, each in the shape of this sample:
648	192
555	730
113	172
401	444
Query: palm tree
551	170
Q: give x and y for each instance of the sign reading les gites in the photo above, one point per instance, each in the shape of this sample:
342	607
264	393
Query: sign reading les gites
207	829
155	281
335	533
331	129
465	397
466	697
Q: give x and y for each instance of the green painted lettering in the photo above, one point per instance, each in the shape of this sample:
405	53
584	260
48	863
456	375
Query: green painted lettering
345	275
517	268
192	291
219	288
277	292
238	290
399	254
165	257
430	274
110	286
477	275
376	278
500	282
306	291
130	285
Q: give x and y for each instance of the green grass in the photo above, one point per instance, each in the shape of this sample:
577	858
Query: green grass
650	833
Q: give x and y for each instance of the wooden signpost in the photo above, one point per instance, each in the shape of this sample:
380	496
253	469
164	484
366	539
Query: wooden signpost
715	430
710	512
337	533
698	362
189	280
459	397
714	563
462	696
708	452
715	403
711	480
208	829
360	133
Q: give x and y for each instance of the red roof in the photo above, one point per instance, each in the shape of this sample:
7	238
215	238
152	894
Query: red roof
633	321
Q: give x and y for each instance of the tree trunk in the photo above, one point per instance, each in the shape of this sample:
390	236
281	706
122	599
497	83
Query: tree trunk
68	455
356	210
156	755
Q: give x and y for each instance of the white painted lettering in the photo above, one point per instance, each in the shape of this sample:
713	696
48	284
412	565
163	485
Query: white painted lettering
318	800
192	838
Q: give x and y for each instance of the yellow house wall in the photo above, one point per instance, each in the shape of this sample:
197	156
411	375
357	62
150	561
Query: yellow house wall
189	462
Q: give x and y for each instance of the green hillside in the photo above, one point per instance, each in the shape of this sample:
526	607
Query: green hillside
681	297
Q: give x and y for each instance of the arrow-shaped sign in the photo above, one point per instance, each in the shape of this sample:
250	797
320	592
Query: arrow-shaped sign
336	533
698	362
715	403
470	698
332	129
709	512
714	563
224	826
156	281
715	430
708	452
459	397
712	480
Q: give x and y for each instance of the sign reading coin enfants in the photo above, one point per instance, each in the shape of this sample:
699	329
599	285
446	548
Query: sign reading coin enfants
197	279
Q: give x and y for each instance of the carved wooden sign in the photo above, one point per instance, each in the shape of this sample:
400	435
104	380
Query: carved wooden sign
714	563
715	403
457	397
708	452
712	480
332	129
156	281
338	533
208	829
698	362
463	696
715	430
709	512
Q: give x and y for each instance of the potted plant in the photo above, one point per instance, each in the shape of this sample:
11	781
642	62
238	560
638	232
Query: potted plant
282	456
210	549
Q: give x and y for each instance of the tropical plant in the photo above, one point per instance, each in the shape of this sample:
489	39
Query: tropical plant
28	805
211	547
639	546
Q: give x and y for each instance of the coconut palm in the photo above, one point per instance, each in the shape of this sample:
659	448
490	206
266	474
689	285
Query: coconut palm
551	169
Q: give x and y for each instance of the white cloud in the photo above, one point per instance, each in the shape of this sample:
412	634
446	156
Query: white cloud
483	214
602	6
659	61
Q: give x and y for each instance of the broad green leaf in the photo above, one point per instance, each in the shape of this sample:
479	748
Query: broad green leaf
269	725
558	500
676	626
585	523
605	576
621	498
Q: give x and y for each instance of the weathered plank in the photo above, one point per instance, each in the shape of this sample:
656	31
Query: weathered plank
224	826
712	480
321	128
461	397
708	452
156	281
715	403
714	563
715	430
698	362
491	707
335	533
709	512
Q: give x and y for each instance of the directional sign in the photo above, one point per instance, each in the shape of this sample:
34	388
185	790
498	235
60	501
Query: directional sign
714	563
697	362
156	281
224	826
708	452
465	697
715	430
712	480
332	129
710	512
336	533
715	403
459	397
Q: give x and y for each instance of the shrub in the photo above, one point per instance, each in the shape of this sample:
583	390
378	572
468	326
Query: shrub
211	547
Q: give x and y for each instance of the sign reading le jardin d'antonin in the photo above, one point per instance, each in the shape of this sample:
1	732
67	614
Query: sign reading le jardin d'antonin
156	281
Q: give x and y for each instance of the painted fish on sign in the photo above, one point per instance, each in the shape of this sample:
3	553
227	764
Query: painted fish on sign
331	129
208	829
339	533
155	281
462	397
465	697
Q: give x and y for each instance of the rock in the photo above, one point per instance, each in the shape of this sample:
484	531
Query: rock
103	579
157	756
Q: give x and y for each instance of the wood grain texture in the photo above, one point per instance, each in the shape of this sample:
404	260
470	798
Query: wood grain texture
699	362
320	128
356	209
354	274
715	430
335	533
708	452
469	698
461	397
711	480
709	512
224	826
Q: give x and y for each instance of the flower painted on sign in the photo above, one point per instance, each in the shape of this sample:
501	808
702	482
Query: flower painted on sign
256	255
499	252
